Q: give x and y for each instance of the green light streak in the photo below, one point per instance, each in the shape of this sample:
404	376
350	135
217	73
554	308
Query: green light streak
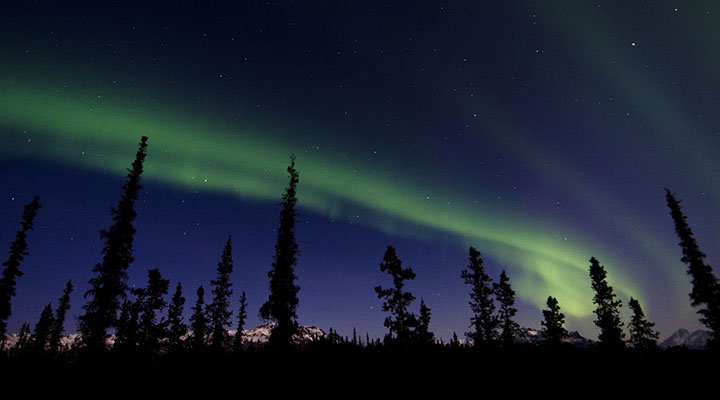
563	177
199	155
672	122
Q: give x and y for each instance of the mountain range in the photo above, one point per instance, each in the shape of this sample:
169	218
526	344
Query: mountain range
682	337
261	334
258	335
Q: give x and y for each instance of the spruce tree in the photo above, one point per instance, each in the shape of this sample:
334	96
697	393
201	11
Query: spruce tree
643	336
109	287
423	333
282	302
24	340
483	321
705	294
151	331
60	313
354	337
553	324
219	310
18	251
177	328
400	323
505	295
199	321
607	308
242	316
331	336
127	332
454	342
43	328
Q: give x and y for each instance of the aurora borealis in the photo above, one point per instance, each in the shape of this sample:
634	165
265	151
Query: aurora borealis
540	133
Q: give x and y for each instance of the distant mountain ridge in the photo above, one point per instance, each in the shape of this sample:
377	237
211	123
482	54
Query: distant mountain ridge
261	334
682	337
535	336
258	335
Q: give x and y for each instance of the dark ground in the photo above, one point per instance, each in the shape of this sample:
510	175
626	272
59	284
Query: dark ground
349	372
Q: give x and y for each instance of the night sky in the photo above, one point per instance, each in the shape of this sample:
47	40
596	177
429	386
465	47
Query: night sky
541	133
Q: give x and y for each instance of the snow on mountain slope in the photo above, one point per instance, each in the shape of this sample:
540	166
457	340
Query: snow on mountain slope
681	337
258	335
261	334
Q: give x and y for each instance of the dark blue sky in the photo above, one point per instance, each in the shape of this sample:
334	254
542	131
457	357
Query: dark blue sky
542	133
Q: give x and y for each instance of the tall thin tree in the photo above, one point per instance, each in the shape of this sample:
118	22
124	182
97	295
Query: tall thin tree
483	321
18	251
127	332
553	323
199	321
177	328
423	333
705	294
60	313
242	316
607	309
109	287
505	295
219	309
643	336
43	328
282	302
401	323
153	330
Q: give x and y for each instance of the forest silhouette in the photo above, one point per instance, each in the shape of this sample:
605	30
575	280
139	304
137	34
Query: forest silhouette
133	342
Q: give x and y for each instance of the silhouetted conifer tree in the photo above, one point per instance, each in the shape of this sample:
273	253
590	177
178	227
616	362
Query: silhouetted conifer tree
282	303
128	324
455	342
484	320
152	331
705	294
367	339
24	339
607	308
553	324
423	333
242	316
354	337
108	287
505	295
43	328
199	321
177	328
643	336
60	313
401	323
18	251
219	310
331	336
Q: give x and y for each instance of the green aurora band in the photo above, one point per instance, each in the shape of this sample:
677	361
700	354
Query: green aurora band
78	129
622	71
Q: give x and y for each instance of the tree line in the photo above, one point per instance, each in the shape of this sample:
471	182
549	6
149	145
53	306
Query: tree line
143	321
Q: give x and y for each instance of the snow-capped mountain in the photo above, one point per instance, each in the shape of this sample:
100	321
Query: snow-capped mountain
695	340
261	334
676	339
534	336
578	340
66	341
258	335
